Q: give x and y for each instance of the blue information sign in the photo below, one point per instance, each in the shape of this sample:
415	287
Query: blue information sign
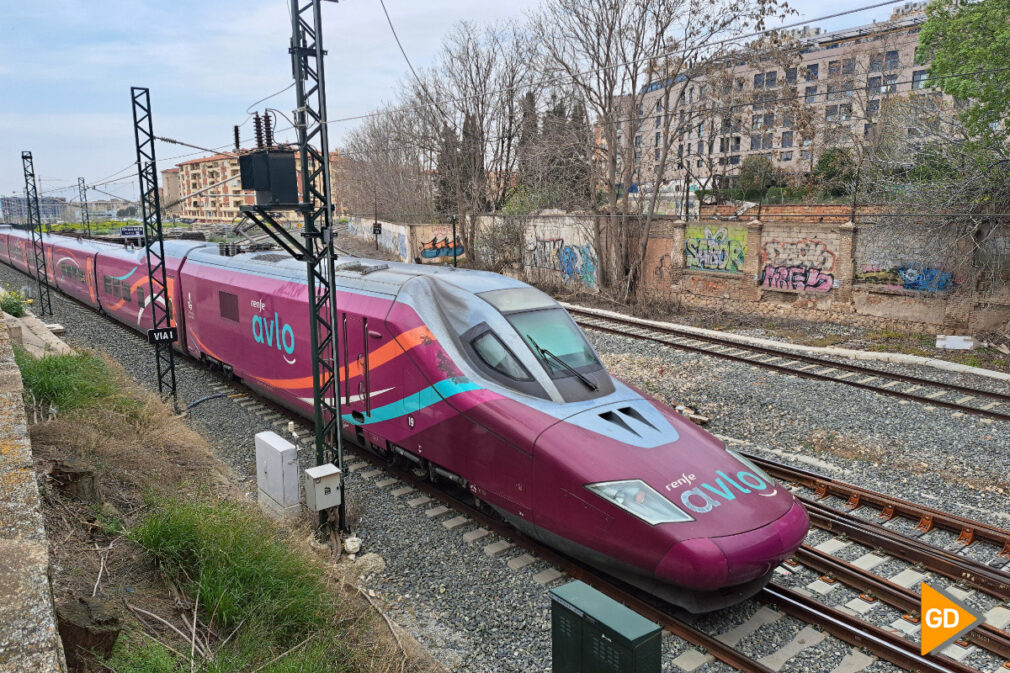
131	232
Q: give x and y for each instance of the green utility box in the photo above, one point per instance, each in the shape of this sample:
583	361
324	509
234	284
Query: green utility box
593	633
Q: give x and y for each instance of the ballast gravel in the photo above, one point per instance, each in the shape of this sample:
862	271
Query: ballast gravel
471	610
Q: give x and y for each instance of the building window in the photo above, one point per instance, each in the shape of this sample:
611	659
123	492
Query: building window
872	107
755	141
811	94
640	110
659	120
873	85
845	111
699	163
770	79
810	72
735	147
757	121
790	75
831	113
759	80
734	160
766	141
876	63
657	151
722	144
659	106
919	79
787	139
848	66
834	68
868	129
701	147
659	138
680	150
638	156
786	156
787	120
805	155
890	84
638	141
891	60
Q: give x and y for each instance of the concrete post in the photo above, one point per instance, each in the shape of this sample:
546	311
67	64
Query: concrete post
750	289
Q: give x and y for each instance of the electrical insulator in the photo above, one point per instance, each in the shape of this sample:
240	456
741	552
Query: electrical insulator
258	126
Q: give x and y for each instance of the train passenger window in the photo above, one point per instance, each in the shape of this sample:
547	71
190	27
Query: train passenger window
553	330
107	282
125	293
493	352
229	305
140	296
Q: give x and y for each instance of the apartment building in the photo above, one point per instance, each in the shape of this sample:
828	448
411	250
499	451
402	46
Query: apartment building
171	191
789	109
51	209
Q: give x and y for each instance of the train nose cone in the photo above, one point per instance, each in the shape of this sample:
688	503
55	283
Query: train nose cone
697	563
711	563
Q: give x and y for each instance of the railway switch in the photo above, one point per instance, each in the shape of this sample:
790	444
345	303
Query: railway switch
593	633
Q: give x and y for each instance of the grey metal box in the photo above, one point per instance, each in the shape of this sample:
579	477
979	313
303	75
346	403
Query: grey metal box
322	487
593	633
277	469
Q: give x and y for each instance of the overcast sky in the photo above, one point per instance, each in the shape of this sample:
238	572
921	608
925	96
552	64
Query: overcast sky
66	67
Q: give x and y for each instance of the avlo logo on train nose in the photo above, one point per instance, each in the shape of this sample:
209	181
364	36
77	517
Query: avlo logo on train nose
274	333
705	497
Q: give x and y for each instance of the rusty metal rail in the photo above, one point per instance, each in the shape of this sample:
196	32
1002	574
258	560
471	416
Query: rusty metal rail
926	518
780	359
886	645
874	587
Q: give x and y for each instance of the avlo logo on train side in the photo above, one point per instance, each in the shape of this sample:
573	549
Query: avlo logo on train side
274	332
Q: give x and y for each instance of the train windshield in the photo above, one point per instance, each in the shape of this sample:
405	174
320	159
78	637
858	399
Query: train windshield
554	339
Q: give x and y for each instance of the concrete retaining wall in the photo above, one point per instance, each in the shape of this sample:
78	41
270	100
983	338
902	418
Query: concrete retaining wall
29	640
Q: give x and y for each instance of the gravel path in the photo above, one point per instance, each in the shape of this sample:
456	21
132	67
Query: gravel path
475	613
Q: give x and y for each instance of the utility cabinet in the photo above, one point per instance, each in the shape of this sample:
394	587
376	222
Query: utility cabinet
593	633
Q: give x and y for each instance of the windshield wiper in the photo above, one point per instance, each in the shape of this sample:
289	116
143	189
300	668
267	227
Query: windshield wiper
582	377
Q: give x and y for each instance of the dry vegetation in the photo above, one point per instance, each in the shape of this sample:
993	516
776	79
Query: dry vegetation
200	579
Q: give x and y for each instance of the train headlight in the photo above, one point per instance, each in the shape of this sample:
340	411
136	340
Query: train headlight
751	465
641	500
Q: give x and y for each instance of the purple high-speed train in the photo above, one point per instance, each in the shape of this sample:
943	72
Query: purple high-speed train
480	379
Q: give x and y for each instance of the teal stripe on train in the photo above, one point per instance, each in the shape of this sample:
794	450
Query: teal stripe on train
444	389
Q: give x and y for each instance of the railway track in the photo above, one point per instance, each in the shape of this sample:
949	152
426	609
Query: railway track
884	643
993	405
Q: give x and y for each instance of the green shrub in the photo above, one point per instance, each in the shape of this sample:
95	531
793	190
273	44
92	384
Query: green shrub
14	303
66	381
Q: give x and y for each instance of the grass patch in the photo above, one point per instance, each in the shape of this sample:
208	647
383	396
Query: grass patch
14	303
66	382
248	583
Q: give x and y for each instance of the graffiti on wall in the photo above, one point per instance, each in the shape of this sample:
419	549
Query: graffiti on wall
907	277
803	265
441	248
573	262
436	244
721	250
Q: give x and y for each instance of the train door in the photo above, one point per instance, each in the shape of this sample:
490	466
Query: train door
356	372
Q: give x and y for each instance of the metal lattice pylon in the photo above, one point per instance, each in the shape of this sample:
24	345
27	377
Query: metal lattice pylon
317	248
45	305
85	217
150	210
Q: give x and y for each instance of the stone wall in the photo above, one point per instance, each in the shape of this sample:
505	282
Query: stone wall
28	637
839	271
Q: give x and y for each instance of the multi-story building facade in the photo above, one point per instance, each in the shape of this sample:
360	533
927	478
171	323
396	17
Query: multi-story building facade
825	91
171	192
51	209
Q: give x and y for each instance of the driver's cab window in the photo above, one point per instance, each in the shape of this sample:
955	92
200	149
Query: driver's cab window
494	354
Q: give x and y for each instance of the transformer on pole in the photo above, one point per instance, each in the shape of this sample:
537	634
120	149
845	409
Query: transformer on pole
267	171
150	211
45	305
85	217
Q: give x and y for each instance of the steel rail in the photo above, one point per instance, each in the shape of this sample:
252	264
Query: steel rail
885	644
957	568
968	530
874	587
669	336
